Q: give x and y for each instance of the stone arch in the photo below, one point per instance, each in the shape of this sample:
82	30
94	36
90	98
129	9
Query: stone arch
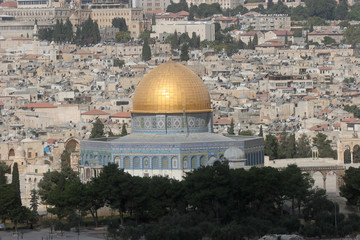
185	162
164	162
347	154
203	160
174	163
193	162
126	162
11	152
356	154
117	161
136	162
72	144
212	160
155	162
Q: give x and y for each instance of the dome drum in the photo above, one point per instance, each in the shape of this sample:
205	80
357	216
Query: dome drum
171	123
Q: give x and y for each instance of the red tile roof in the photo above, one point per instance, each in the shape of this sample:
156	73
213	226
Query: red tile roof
12	4
95	112
1	103
121	115
324	68
320	127
51	140
38	105
183	13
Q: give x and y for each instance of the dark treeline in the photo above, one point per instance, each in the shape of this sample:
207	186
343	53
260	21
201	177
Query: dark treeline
215	202
325	9
87	33
288	147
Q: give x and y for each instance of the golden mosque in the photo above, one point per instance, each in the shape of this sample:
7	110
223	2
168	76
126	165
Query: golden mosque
172	131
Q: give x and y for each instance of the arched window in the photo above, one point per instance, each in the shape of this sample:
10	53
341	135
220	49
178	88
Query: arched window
155	162
185	162
174	162
202	161
117	161
11	153
193	162
126	162
164	163
136	162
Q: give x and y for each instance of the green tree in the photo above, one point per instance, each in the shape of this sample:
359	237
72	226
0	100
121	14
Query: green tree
261	134
97	130
352	35
16	183
341	10
245	133
315	21
174	41
54	193
354	13
184	56
286	38
146	51
3	170
123	130
303	147
122	37
115	190
323	145
8	196
328	40
271	146
231	128
299	13
118	63
350	190
68	31
321	8
120	23
255	40
177	7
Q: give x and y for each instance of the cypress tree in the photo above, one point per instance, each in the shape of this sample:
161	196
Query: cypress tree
98	129
16	183
175	41
231	130
153	20
123	130
146	51
286	38
261	134
255	40
184	56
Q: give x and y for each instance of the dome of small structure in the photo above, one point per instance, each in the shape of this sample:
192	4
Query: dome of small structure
171	88
234	153
243	96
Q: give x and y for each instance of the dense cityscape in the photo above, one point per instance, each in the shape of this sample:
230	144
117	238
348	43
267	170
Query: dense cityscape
159	119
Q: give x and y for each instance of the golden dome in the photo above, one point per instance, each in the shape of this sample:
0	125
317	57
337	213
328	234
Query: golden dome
171	88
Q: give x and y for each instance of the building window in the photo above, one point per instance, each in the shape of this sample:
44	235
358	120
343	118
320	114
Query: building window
174	162
155	162
164	162
193	162
136	162
126	162
185	162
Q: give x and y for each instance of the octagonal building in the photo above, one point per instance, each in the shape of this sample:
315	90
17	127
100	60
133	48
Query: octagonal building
172	131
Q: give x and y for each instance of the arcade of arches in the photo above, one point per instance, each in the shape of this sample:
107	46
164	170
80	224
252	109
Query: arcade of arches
348	150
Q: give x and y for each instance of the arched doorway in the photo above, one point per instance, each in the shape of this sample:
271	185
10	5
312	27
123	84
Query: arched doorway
347	154
11	152
356	154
